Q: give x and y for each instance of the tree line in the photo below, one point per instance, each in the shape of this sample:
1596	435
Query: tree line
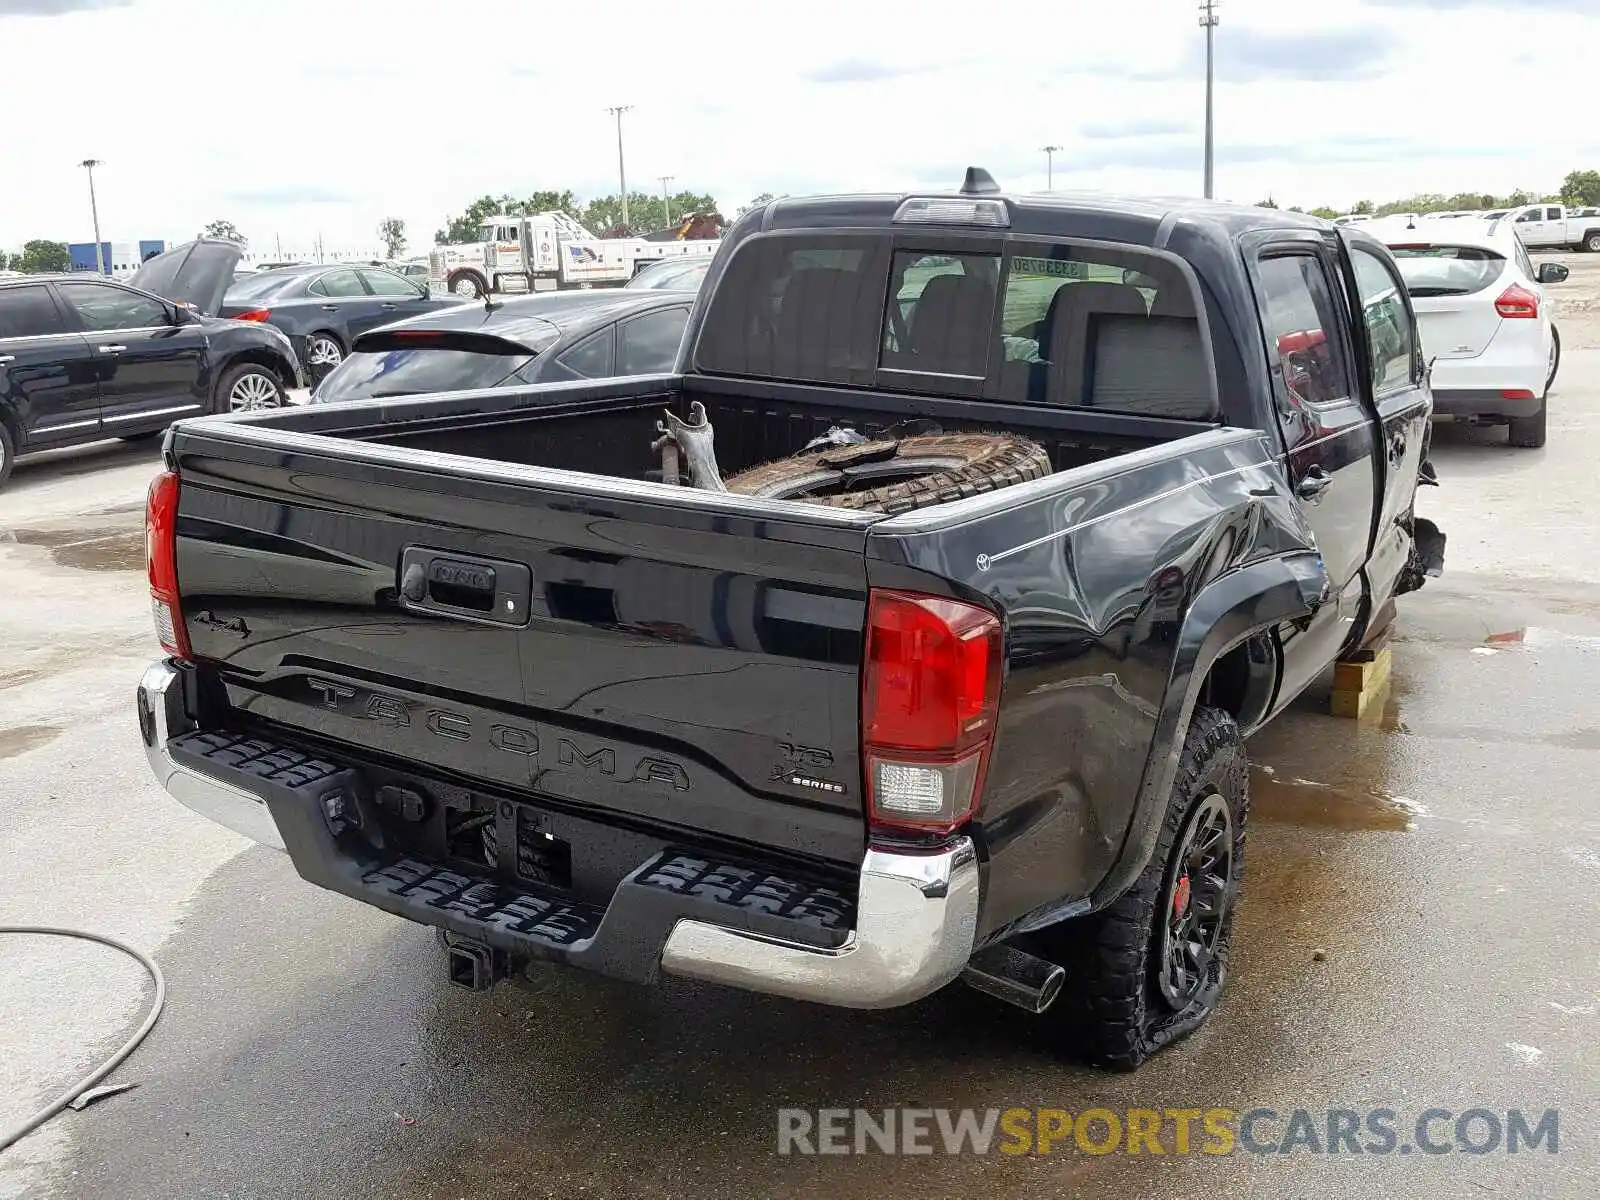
1578	189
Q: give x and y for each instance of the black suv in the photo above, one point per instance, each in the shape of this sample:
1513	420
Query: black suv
83	357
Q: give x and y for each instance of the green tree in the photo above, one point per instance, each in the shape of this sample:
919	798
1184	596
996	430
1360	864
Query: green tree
1581	187
1326	213
40	256
761	201
392	232
646	213
1363	209
5	262
1269	202
224	229
564	202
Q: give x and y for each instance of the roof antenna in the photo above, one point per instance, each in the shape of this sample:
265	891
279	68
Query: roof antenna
488	302
978	183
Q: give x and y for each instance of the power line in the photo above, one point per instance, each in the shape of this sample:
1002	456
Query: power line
1209	21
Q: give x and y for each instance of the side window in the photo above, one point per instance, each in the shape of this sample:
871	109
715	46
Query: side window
29	312
1552	214
1103	328
103	308
649	344
589	359
1533	214
338	283
1297	315
940	318
387	283
1389	331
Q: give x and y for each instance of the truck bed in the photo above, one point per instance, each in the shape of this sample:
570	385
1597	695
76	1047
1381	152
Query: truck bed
684	654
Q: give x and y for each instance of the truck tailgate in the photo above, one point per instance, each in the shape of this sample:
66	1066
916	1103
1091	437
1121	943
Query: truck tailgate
681	666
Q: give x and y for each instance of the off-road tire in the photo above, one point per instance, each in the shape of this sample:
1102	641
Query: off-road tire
1112	1011
951	466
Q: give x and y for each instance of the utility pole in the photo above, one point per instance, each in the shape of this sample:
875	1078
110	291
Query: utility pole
617	110
1050	167
666	199
89	164
1209	21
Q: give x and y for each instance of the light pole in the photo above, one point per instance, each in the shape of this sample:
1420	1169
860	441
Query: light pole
617	110
1050	167
1209	21
89	164
666	198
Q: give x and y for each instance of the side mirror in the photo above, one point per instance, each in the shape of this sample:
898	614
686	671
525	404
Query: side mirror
182	315
1552	273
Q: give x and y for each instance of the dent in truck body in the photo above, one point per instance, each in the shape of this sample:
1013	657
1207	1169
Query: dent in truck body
1119	585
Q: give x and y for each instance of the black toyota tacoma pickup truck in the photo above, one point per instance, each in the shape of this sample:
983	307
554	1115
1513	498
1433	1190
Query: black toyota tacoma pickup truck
872	725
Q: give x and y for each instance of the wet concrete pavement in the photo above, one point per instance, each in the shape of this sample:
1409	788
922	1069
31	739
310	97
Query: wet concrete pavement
1416	932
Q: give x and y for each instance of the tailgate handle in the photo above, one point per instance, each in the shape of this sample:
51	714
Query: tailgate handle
482	589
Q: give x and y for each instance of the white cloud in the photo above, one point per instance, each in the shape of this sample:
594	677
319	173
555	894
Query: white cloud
323	116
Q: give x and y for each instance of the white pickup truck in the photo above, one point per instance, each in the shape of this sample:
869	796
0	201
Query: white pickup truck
1555	227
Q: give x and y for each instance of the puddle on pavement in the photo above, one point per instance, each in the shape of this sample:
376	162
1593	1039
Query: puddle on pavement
1279	800
96	549
24	738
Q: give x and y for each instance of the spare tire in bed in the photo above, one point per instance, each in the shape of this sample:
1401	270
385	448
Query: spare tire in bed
899	475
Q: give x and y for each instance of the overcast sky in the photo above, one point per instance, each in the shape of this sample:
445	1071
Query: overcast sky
293	117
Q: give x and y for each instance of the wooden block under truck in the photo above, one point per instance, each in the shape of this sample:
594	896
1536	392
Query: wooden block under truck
546	252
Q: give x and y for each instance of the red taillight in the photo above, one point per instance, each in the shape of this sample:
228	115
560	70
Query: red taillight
1517	303
930	692
161	561
254	314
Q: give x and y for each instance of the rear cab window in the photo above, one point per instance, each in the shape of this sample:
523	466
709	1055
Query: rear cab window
1115	328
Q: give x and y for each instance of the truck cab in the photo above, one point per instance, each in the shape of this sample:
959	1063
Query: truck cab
1555	227
545	252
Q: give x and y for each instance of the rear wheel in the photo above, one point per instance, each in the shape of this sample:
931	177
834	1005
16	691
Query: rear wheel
248	388
1527	433
324	350
1591	242
1150	968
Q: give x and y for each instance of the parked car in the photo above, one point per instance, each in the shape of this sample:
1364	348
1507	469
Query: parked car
1484	321
672	276
83	357
554	335
878	718
1553	227
322	307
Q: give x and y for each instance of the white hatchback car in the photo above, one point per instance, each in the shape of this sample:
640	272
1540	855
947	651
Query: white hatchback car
1483	319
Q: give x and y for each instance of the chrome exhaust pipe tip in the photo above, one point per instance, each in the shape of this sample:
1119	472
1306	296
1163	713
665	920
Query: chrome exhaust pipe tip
1015	976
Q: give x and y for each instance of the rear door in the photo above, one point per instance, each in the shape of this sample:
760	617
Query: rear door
338	300
397	298
49	380
1329	433
1394	373
150	369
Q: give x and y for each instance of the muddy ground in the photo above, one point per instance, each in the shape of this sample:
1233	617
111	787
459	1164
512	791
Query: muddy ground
1417	928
